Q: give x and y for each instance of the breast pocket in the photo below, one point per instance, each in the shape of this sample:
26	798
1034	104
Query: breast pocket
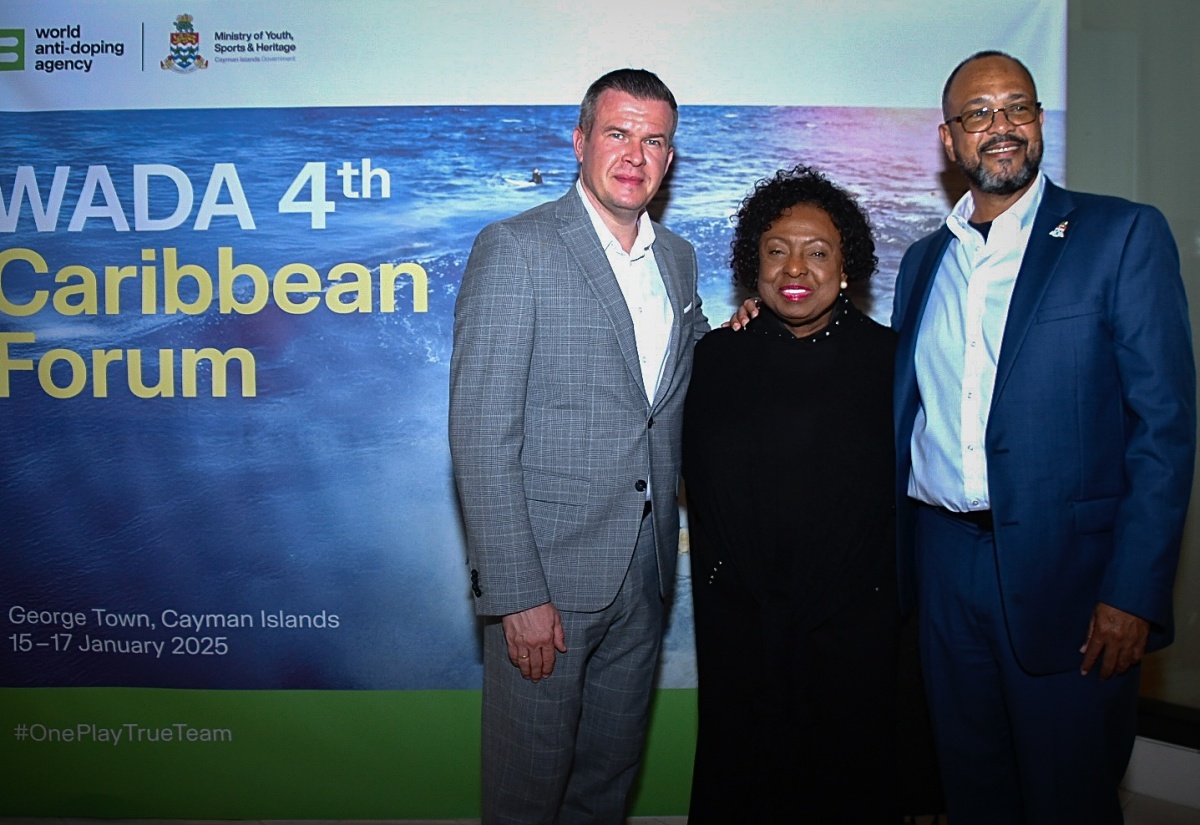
1065	312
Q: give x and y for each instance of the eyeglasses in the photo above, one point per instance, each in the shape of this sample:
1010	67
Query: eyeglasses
980	120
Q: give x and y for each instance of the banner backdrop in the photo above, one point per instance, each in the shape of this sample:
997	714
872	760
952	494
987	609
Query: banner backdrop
231	237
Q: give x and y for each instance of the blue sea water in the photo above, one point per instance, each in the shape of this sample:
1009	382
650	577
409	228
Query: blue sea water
329	492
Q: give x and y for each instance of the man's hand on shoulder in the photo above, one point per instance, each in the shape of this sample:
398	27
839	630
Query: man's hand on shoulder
747	311
533	636
1116	638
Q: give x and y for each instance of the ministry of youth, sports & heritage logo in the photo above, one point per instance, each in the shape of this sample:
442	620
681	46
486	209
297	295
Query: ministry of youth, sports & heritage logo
185	48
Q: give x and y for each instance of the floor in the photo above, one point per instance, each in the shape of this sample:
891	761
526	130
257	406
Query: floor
1139	810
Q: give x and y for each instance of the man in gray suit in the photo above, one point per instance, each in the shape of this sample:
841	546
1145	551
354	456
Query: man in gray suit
573	343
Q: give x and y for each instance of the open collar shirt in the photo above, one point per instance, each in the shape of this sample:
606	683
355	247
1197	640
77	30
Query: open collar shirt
958	345
641	283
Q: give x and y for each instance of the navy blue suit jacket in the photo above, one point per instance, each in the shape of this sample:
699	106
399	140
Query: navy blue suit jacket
1091	434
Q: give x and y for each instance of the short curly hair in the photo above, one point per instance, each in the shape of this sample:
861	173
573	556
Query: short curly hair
774	196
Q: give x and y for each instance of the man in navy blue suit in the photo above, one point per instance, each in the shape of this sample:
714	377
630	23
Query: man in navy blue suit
1045	435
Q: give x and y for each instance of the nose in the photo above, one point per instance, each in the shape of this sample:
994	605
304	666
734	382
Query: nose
996	125
795	266
634	153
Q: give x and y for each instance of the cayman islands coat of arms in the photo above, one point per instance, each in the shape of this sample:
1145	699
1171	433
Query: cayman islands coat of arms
185	47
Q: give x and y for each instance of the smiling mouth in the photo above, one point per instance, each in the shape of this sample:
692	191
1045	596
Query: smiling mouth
795	293
1003	145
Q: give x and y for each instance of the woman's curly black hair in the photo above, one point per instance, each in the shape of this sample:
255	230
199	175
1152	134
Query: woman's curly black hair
774	196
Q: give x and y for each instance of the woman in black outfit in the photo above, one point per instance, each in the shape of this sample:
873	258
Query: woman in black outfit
788	461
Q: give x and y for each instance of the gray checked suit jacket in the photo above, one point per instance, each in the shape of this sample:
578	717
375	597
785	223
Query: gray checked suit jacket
551	434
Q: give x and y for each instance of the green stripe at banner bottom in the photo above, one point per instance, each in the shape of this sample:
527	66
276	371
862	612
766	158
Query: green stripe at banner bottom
136	753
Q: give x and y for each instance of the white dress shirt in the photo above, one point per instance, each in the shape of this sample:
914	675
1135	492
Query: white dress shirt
642	285
958	345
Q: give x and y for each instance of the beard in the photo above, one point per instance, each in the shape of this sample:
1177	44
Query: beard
1007	181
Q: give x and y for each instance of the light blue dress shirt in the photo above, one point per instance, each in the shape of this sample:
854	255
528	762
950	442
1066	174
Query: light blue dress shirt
958	345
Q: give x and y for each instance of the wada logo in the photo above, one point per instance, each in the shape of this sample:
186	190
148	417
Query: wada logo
12	50
185	48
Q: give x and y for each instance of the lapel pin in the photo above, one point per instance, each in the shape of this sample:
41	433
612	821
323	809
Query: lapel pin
1059	231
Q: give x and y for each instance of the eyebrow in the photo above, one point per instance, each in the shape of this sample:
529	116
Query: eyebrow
767	235
618	128
977	101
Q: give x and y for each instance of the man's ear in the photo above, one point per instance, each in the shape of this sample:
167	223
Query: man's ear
577	139
947	141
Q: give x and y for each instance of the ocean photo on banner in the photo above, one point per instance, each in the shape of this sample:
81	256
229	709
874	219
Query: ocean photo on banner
302	532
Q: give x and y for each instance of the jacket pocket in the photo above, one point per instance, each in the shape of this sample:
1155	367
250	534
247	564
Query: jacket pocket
552	487
1095	515
1064	311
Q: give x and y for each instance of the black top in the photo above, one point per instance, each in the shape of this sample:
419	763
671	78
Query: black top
788	460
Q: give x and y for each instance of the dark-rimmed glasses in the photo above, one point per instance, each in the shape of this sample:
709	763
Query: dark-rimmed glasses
981	119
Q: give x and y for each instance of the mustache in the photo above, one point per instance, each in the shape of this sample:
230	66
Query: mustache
1011	137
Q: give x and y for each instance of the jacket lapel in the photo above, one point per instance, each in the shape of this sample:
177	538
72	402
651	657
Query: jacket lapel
908	323
673	283
1042	255
579	236
917	294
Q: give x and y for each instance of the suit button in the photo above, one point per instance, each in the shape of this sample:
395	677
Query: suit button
650	423
640	486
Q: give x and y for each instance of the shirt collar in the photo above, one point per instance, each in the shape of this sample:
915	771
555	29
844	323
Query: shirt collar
1020	214
645	235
